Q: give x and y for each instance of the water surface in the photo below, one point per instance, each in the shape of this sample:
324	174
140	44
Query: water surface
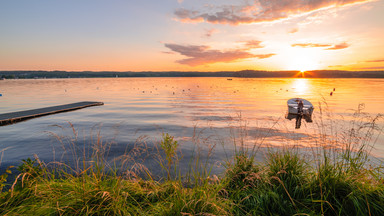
210	109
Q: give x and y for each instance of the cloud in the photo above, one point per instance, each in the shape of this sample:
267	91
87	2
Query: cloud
209	32
258	10
292	31
373	68
335	66
180	1
201	55
307	45
339	46
330	46
376	60
253	44
263	56
168	52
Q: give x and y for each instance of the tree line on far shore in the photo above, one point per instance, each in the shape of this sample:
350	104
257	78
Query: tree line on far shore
244	73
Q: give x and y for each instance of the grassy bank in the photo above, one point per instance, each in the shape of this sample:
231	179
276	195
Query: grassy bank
284	185
336	178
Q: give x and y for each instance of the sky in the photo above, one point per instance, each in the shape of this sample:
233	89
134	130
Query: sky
191	35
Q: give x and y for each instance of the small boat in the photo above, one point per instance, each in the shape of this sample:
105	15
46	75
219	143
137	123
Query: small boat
293	109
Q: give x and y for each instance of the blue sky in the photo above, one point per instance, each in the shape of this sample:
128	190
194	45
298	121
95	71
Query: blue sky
191	35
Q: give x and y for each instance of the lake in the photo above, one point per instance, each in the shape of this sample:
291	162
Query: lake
201	113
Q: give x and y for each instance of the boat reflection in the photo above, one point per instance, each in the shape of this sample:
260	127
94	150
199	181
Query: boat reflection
298	109
298	118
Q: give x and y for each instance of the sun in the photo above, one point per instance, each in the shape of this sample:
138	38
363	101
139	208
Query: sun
302	60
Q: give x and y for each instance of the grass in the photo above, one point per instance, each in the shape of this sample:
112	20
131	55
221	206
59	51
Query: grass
336	179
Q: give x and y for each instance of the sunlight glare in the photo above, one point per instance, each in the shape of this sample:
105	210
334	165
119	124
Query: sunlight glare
300	86
302	60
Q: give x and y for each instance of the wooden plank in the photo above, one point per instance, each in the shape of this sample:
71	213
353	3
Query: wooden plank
13	117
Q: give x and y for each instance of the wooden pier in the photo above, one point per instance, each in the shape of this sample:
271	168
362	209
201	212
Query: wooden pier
13	117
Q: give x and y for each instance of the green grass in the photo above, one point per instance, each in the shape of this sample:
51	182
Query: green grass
330	181
283	185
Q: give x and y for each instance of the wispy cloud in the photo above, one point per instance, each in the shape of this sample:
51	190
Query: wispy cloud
209	32
307	45
264	56
339	46
336	66
375	60
292	31
201	55
373	68
168	52
258	11
330	46
252	44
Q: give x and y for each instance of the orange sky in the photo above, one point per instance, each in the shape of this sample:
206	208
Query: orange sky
191	35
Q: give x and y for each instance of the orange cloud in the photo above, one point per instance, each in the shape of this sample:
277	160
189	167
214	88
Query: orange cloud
292	31
263	56
201	55
373	68
330	46
253	44
339	46
335	66
258	11
306	45
376	60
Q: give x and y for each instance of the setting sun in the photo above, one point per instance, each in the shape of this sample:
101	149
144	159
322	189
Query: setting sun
300	60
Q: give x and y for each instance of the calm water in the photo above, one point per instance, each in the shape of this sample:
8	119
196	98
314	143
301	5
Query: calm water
205	108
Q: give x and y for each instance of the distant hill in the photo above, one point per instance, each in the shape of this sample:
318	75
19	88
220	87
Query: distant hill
244	73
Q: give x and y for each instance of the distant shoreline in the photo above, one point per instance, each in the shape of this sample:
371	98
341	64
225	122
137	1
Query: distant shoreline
235	74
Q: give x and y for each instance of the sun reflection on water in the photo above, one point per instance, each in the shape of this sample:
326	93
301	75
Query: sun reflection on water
300	86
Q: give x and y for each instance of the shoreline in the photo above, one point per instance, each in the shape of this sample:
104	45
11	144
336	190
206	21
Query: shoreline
233	74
